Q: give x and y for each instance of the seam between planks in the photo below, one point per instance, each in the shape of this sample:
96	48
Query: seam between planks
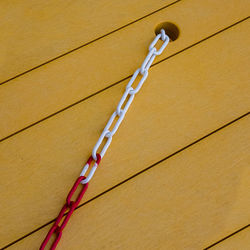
92	41
228	236
123	79
141	172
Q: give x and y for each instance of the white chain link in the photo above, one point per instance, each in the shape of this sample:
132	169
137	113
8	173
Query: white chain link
130	94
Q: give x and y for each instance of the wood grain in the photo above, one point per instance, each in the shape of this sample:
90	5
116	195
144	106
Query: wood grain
34	32
42	92
184	98
185	202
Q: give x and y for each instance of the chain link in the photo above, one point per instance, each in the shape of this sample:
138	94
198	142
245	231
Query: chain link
61	220
129	95
93	169
107	134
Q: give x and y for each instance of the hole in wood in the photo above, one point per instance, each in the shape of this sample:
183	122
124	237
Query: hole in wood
171	30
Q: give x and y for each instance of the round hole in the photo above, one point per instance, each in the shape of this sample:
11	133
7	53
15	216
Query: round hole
171	30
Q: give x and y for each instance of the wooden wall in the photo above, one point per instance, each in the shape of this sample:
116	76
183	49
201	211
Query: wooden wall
176	175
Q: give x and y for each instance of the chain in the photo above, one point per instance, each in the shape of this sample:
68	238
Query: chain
128	95
69	206
107	135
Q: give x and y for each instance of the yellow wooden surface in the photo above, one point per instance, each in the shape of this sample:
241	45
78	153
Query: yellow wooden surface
186	97
34	32
240	240
61	144
77	75
186	202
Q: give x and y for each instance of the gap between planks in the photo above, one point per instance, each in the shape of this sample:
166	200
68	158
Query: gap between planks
116	83
212	48
69	79
92	41
227	237
140	172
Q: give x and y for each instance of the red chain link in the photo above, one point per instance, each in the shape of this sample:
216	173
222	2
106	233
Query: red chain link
69	205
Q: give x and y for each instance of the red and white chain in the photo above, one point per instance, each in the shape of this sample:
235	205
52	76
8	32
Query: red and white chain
129	94
119	113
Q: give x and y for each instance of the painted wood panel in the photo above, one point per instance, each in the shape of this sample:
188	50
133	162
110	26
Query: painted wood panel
185	202
184	98
240	240
72	78
34	32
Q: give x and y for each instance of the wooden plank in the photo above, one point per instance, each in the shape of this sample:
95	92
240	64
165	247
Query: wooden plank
67	80
185	202
240	240
34	32
189	96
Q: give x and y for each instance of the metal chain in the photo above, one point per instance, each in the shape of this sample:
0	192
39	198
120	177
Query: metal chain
119	113
129	94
